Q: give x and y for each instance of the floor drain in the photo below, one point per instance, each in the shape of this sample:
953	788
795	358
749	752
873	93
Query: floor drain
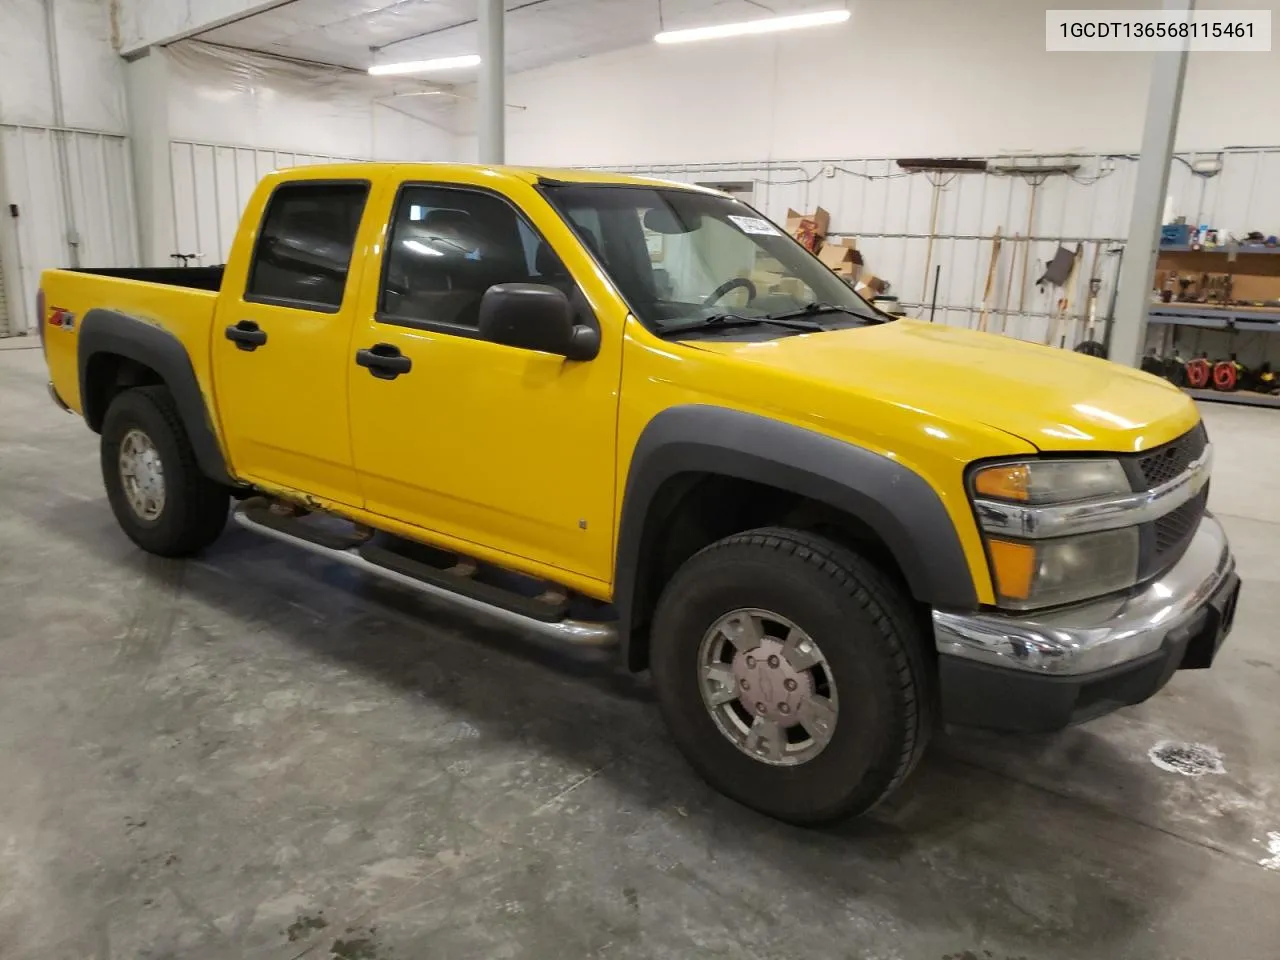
1188	759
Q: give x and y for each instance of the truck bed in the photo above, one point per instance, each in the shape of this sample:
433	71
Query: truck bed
194	278
181	300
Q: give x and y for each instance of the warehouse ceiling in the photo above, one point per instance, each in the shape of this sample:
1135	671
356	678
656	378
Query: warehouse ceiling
359	33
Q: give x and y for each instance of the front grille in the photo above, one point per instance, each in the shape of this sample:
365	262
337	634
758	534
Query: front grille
1164	541
1164	463
1174	530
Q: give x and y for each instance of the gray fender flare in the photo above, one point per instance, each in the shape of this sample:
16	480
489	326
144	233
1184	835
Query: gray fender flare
895	502
111	332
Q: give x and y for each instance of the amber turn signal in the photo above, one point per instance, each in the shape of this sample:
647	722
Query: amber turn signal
1006	481
1014	566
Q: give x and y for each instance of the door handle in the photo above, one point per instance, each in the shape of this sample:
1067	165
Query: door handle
384	361
246	335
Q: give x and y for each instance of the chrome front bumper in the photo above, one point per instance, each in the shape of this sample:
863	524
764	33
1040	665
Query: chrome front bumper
1088	637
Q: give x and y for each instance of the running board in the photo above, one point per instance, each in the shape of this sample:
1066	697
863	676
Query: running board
575	633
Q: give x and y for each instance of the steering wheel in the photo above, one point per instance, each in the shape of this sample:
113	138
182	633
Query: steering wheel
728	285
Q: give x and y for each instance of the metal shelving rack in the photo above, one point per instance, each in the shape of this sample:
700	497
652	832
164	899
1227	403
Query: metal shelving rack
1231	319
1227	251
1245	398
1245	319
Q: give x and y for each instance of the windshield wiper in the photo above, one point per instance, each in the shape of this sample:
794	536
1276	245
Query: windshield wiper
721	320
817	307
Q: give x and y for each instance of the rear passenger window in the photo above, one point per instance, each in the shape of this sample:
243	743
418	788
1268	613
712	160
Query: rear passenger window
305	245
448	246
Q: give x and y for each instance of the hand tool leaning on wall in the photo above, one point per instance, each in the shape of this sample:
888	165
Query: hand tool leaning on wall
1088	345
1060	272
991	277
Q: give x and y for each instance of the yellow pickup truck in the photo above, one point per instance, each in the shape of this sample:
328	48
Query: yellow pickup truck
634	415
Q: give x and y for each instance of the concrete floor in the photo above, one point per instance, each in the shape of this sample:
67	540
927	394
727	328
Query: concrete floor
255	754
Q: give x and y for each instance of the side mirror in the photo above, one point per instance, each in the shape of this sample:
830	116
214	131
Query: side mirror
535	316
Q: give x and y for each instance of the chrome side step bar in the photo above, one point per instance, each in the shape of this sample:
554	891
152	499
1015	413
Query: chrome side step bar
575	633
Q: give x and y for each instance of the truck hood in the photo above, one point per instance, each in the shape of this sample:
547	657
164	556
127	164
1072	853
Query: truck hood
1053	399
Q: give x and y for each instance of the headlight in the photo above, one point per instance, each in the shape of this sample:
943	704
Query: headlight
1045	573
1051	481
1024	506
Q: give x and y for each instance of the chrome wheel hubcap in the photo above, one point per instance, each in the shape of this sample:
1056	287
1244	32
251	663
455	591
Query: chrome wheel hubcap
142	475
768	687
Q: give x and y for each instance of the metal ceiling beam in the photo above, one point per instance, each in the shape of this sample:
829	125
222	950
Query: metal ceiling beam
1164	103
145	23
453	26
492	132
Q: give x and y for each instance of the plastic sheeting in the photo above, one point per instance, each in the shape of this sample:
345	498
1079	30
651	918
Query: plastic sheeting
98	211
69	182
212	184
143	23
224	96
92	77
234	117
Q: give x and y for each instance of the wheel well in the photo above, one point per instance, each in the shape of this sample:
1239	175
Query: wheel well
692	510
107	374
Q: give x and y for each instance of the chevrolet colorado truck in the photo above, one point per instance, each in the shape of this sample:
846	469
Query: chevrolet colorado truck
629	414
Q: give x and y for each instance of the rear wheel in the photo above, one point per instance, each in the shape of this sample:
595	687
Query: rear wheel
157	492
792	675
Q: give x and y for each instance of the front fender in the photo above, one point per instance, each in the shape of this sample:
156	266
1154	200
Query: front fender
895	502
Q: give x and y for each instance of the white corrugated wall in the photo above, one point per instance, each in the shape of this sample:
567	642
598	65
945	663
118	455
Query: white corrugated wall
212	184
4	308
74	193
890	213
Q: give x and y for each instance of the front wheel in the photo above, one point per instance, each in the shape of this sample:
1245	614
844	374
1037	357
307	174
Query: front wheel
792	675
157	492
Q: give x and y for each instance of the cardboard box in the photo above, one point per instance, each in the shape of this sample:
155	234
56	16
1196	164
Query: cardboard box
777	283
765	280
809	228
792	287
1254	289
869	286
842	258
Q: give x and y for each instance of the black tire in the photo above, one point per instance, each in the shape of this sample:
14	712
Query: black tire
865	626
195	507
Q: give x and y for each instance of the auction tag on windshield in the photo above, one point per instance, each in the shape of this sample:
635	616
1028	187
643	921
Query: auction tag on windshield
755	225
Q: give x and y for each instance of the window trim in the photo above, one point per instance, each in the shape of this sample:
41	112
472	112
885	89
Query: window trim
292	303
443	326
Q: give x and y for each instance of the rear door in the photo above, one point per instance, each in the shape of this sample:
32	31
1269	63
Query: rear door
280	341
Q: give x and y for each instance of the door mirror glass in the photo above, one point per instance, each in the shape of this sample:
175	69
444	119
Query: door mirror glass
535	316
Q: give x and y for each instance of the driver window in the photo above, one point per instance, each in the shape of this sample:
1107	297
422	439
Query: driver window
447	246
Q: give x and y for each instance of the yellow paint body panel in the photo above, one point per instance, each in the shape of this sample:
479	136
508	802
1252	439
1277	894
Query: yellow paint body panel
932	398
521	458
490	445
187	314
283	407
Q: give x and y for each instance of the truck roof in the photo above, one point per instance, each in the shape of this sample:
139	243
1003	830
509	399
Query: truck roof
527	174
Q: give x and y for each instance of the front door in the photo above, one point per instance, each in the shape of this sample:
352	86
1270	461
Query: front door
280	347
507	450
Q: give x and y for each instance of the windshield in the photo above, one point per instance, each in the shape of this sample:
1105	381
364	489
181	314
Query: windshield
688	261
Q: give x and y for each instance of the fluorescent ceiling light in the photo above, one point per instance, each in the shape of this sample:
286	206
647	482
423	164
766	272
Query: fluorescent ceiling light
417	246
424	66
748	27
